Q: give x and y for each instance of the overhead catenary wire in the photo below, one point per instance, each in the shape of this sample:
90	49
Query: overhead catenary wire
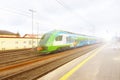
72	11
18	12
27	14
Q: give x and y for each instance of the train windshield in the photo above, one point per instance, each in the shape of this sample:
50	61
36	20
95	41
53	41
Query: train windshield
44	39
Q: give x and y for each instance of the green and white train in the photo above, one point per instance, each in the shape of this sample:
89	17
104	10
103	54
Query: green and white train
58	40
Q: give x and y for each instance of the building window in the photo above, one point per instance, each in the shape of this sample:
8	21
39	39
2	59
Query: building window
29	42
24	42
16	47
2	42
3	49
16	42
33	41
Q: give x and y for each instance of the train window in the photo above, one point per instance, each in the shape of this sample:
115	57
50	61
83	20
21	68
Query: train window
69	39
58	38
43	36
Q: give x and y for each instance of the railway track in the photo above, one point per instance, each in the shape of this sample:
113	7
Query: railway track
37	67
8	51
14	57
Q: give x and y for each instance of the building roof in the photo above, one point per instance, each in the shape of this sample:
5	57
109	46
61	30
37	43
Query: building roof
32	35
4	32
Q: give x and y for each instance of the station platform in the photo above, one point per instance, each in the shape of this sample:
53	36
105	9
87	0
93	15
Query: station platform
102	63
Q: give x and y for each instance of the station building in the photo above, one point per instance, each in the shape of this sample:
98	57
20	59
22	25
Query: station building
13	41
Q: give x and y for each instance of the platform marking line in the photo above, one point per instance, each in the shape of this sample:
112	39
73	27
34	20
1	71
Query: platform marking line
68	74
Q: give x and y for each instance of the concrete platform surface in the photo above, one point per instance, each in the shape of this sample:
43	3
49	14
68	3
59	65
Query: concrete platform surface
100	64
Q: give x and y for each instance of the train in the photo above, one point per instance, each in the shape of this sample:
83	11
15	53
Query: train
58	40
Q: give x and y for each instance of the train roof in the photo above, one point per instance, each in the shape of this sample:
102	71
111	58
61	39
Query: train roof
70	33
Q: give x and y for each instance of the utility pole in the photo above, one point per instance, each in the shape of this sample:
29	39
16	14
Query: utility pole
32	11
37	32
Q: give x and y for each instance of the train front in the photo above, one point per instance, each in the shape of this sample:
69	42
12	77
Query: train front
43	44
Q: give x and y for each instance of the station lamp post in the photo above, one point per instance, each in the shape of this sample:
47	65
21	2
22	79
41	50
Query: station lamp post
32	11
37	32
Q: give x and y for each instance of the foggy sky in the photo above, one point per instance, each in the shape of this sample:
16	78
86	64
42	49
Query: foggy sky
93	17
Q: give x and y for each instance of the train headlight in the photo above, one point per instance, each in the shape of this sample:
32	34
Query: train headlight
39	48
